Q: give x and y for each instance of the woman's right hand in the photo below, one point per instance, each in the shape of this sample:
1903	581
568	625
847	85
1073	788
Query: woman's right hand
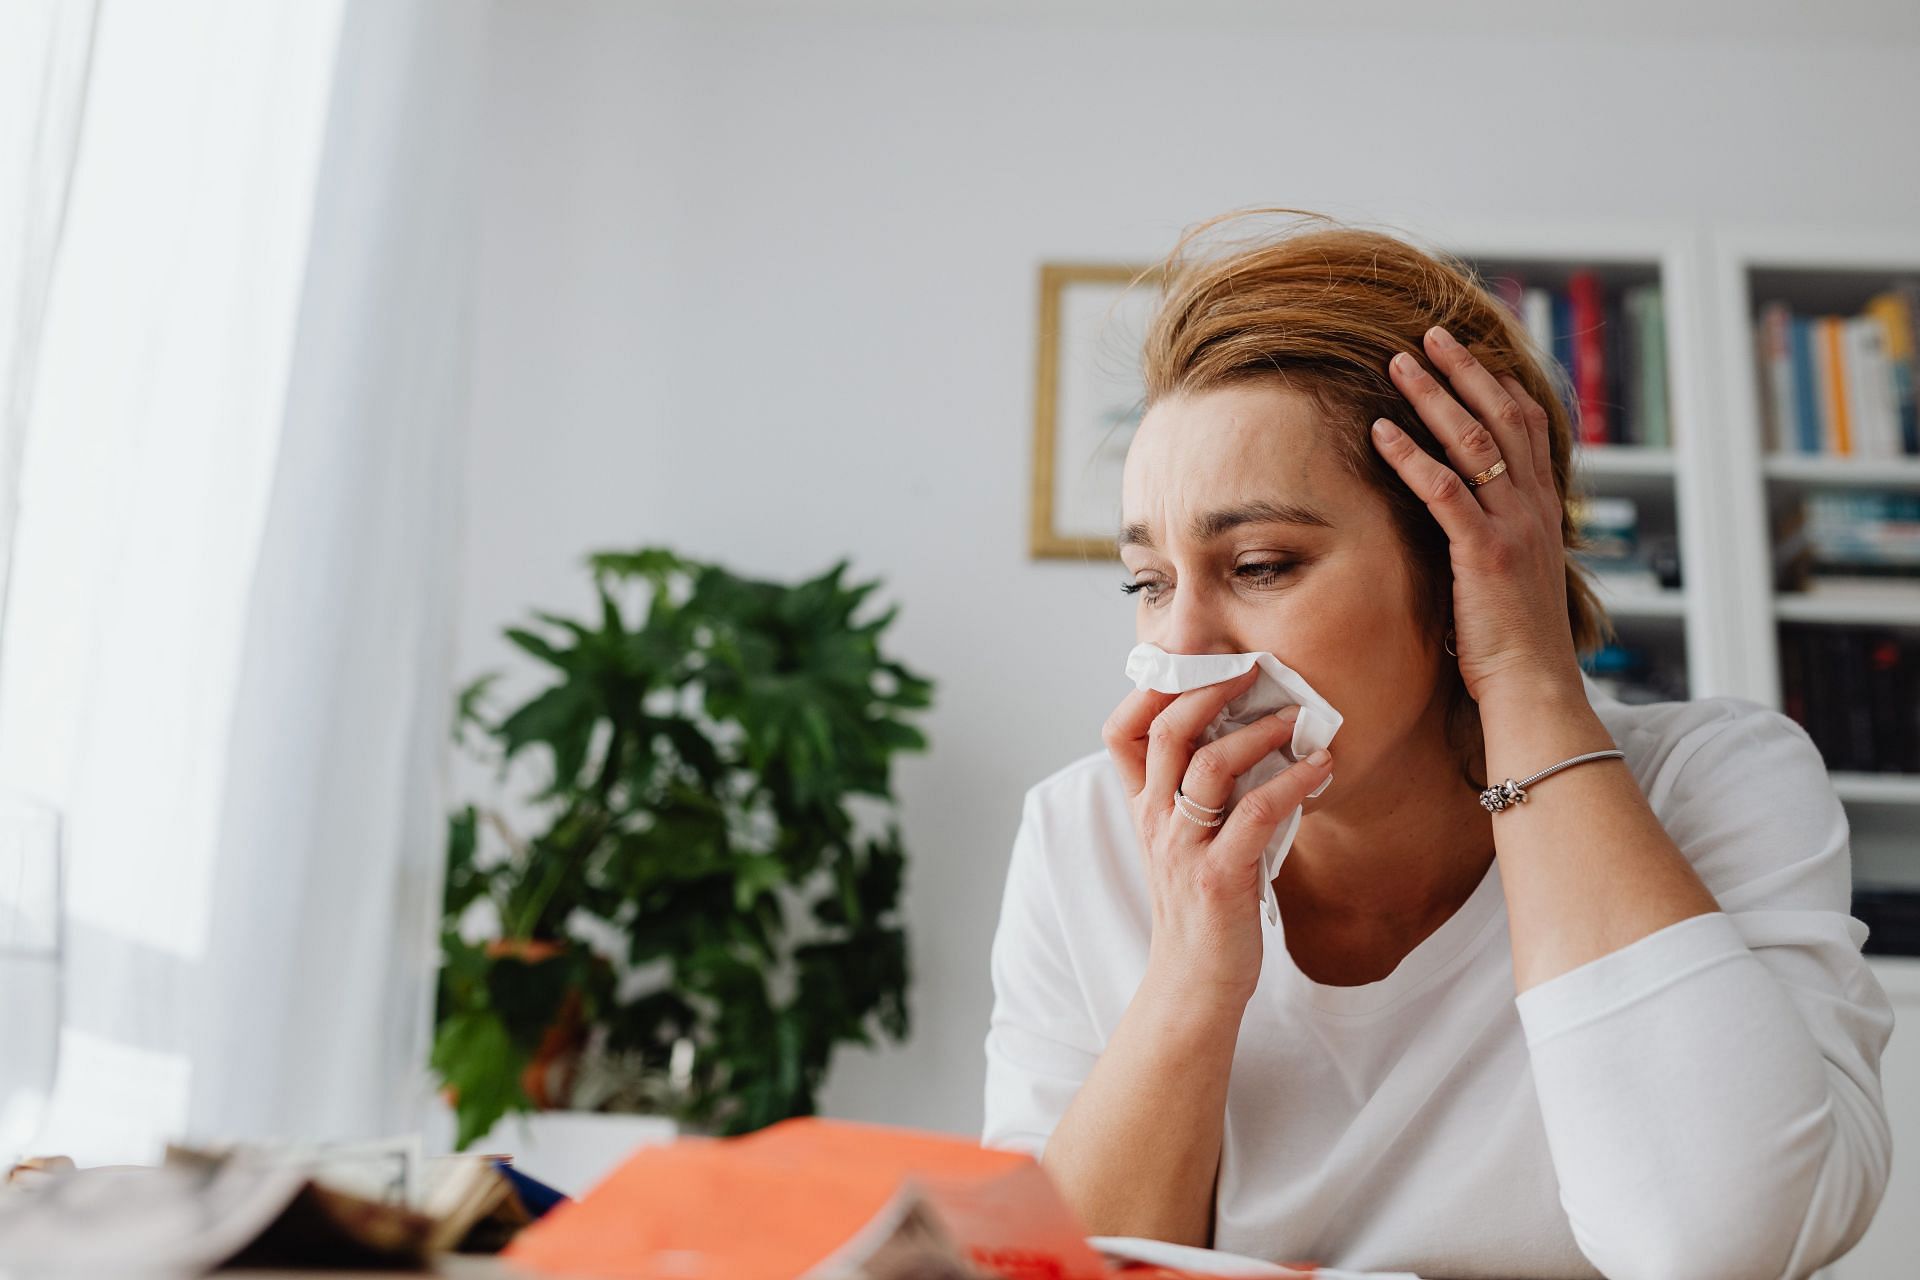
1205	881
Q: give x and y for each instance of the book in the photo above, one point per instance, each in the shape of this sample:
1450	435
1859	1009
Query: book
1831	371
1654	396
1774	359
1536	306
1560	307
1588	317
844	1200
1631	345
1806	388
1887	667
1868	378
1894	309
1612	381
375	1204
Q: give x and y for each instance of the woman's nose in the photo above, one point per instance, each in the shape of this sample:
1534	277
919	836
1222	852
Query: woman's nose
1194	625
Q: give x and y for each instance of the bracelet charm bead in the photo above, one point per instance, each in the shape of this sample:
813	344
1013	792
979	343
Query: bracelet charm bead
1500	795
1504	795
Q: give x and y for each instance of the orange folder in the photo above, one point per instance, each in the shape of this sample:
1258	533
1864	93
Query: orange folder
776	1204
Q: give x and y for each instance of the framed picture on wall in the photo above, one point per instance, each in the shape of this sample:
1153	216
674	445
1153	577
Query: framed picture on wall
1088	399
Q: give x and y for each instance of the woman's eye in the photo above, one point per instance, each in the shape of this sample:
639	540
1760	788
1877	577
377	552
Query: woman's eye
1261	571
1265	570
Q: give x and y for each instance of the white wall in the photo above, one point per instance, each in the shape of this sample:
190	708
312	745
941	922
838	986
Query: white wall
760	284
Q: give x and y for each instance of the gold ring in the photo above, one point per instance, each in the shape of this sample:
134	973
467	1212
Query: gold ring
1488	474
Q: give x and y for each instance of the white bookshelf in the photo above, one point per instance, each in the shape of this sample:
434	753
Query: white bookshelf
1674	486
1821	269
1625	463
1826	269
1803	469
1720	476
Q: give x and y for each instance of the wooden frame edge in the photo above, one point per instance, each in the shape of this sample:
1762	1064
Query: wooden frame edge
1044	542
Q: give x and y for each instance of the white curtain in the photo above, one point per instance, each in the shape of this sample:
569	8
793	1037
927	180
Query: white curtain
44	45
225	656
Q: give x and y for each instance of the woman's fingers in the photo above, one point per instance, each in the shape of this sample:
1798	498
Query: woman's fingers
1216	767
1252	822
1128	730
1435	483
1171	736
1125	734
1491	403
1539	443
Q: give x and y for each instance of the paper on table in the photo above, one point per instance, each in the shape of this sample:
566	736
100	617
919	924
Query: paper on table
1278	685
1194	1261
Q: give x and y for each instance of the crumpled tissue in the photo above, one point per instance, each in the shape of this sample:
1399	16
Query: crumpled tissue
1278	685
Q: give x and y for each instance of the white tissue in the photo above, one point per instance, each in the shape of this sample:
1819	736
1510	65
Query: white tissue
1278	685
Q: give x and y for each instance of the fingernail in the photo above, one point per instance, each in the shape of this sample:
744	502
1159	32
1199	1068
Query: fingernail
1288	713
1320	756
1442	337
1406	363
1384	430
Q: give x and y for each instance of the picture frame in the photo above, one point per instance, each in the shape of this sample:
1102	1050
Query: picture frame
1088	399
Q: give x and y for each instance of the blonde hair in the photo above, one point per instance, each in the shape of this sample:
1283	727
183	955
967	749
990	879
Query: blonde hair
1322	311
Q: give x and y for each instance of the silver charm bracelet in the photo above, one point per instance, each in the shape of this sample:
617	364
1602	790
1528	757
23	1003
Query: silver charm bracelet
1501	795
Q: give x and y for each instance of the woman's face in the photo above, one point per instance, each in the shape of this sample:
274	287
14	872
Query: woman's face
1246	534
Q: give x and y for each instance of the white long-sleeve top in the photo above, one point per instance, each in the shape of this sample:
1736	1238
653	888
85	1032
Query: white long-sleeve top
1704	1101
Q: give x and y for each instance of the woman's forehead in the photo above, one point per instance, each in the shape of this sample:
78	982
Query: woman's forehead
1232	447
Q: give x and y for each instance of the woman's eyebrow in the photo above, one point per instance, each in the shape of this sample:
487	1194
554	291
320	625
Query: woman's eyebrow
1210	525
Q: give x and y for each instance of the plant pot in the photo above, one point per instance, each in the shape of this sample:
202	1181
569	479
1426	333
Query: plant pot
548	1078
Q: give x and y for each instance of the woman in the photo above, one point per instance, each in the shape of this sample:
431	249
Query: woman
1621	1026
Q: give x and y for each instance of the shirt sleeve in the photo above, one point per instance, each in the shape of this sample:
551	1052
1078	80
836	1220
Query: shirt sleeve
1711	1092
1041	1042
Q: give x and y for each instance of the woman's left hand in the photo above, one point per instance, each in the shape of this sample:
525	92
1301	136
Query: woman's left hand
1509	566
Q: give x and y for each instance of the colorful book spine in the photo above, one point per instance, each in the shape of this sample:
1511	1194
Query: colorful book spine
1630	335
1806	388
1589	356
1894	311
1774	352
1653	368
1905	304
1562	331
1832	372
1536	308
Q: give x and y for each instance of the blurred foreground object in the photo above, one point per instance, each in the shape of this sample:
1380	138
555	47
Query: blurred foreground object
821	1198
694	857
845	1200
354	1205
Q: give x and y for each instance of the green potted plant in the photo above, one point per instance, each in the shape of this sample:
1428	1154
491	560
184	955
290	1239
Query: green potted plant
683	920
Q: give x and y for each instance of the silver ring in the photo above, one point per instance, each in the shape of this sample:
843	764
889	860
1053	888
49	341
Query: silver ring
1180	794
1180	804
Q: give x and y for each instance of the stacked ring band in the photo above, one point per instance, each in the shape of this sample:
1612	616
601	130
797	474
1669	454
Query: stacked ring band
1180	802
1179	794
